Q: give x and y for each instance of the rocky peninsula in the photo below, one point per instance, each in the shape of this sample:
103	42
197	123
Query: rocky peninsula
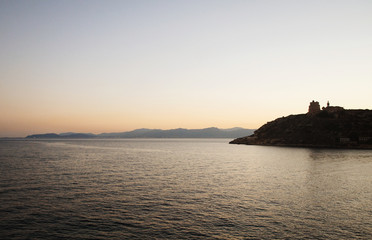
329	127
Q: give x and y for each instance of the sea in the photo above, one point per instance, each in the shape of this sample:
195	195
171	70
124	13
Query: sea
181	189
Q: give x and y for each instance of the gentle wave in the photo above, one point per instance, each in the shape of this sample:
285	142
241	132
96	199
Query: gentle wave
175	189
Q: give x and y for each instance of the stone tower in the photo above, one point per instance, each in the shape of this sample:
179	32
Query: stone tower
314	107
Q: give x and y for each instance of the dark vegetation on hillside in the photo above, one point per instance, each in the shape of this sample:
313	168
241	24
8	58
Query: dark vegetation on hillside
340	129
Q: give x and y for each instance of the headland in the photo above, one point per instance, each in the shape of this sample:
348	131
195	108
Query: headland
329	127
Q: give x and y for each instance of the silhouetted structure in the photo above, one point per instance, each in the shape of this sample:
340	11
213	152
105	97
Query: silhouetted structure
332	109
314	107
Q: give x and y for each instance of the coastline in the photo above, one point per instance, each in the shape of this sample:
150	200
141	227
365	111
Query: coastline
329	127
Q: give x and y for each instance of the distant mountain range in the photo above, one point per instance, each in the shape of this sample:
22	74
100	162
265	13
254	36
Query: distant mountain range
157	133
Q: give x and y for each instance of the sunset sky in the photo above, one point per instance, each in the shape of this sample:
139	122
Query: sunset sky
112	66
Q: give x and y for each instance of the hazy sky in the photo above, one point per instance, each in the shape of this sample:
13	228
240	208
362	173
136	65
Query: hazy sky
111	66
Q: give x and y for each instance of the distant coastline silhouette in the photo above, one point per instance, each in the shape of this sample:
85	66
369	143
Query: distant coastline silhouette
156	133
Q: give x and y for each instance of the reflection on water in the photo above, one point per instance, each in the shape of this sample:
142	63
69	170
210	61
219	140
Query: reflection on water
182	188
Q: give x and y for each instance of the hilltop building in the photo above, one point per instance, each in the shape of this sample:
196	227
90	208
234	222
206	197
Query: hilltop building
314	107
332	109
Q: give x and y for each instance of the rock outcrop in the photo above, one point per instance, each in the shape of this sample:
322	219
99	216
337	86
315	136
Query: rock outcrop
331	128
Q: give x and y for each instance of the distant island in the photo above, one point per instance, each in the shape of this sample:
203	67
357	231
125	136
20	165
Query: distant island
329	127
154	133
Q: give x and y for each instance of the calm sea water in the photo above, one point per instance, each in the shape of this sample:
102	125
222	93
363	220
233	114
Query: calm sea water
182	189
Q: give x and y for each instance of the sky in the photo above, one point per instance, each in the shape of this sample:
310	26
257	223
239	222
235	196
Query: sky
113	66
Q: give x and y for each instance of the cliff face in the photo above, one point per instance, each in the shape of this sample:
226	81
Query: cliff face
335	129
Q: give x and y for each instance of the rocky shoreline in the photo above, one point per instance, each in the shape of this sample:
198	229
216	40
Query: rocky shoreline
332	127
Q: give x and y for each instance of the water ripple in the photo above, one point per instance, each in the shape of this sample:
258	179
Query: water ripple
203	189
